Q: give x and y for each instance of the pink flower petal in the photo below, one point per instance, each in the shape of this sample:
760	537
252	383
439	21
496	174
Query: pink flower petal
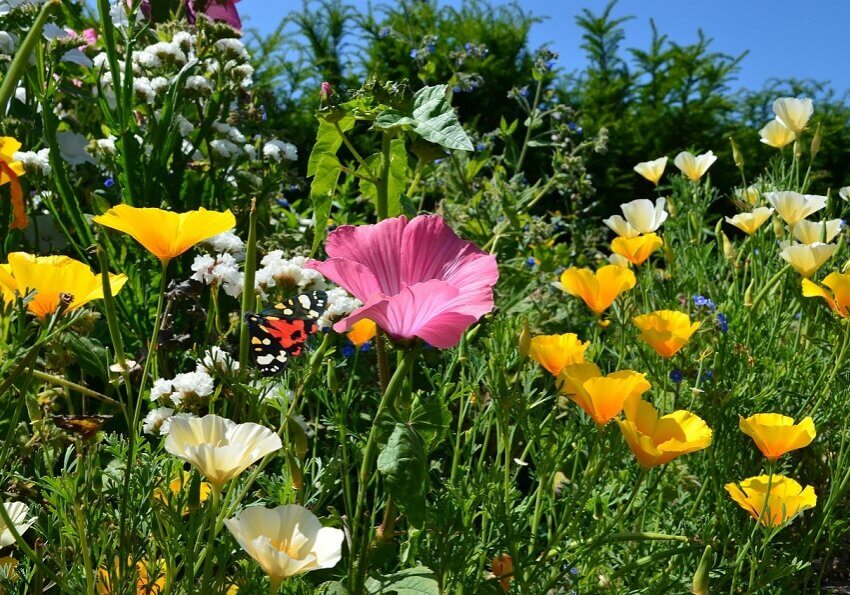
377	247
427	310
431	250
352	276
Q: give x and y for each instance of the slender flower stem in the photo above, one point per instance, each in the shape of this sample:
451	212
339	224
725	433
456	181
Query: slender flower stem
387	400
532	120
59	381
212	531
248	293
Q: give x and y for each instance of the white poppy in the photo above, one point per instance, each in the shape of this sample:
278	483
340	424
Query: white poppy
621	227
644	216
17	512
794	112
694	167
652	170
218	447
806	259
776	134
286	540
750	222
793	206
811	232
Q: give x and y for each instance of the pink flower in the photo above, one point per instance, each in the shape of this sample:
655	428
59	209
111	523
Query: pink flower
216	10
416	279
89	36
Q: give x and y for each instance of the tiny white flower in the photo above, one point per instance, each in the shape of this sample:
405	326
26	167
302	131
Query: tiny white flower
184	126
217	359
155	419
224	149
232	48
35	162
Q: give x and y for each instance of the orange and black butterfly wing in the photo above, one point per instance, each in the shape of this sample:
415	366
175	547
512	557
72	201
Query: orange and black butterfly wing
281	332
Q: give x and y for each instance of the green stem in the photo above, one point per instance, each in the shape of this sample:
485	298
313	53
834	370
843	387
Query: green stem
59	381
382	188
387	401
768	286
532	119
212	531
248	293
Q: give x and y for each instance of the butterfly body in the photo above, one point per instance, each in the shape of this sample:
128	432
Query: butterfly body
281	332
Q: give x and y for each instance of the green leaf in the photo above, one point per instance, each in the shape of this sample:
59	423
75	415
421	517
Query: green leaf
89	353
321	193
411	581
404	466
407	206
431	418
396	182
432	118
328	142
332	588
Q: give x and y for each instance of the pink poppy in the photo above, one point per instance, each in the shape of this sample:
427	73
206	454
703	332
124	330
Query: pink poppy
416	278
216	10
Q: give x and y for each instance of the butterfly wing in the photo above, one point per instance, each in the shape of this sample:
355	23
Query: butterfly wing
281	332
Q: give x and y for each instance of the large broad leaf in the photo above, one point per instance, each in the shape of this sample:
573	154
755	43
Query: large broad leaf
432	118
412	581
431	418
404	467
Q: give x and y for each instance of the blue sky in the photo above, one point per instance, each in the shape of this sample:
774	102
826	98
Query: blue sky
786	38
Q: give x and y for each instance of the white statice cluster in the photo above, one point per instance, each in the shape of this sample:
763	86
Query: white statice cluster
35	162
340	305
188	390
222	269
277	150
289	273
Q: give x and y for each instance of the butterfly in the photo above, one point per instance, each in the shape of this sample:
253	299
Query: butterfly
280	332
84	426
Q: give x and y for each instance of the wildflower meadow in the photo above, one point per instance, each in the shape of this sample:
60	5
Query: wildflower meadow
440	320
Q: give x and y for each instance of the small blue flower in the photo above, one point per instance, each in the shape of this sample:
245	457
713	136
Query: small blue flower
467	46
524	92
414	53
431	47
457	89
575	128
480	147
384	33
347	350
701	301
530	262
365	347
723	322
550	64
708	374
109	182
677	375
283	202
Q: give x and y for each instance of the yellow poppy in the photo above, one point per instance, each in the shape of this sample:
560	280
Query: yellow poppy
555	352
55	279
598	290
658	440
666	331
637	250
694	166
151	581
776	434
10	171
601	397
839	283
776	134
166	234
175	486
362	331
786	499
